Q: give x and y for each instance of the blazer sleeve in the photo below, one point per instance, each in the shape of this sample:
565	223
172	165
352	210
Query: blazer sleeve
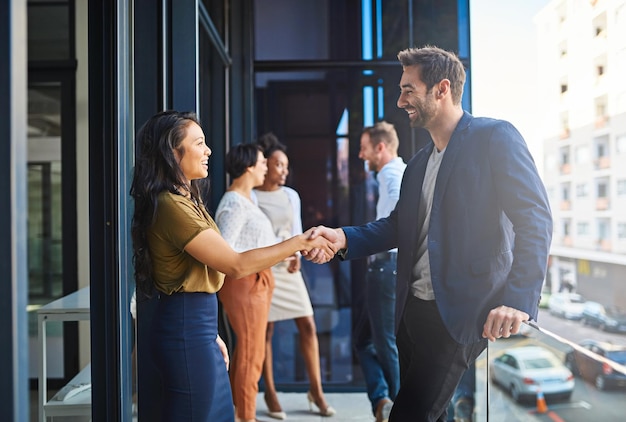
367	239
525	202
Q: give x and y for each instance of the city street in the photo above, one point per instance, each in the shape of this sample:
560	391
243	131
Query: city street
586	404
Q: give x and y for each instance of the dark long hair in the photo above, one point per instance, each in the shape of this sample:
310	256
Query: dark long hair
156	170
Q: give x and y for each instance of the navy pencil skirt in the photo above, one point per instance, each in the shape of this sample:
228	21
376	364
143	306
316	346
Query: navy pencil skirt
195	380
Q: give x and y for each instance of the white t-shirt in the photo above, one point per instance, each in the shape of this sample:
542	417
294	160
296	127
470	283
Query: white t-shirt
422	286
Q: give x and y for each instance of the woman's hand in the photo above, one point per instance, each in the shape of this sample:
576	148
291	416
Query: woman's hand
323	246
224	351
335	236
294	263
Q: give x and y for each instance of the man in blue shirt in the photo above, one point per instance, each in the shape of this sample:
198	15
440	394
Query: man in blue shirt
375	339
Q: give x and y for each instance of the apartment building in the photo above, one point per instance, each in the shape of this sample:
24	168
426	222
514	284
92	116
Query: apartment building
582	63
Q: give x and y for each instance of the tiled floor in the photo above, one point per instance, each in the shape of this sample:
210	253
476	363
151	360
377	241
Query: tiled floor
349	407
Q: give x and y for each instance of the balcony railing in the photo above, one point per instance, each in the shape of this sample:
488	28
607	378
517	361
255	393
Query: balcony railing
602	162
572	384
601	121
603	204
604	245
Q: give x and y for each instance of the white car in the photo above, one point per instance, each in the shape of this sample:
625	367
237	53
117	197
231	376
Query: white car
567	305
524	371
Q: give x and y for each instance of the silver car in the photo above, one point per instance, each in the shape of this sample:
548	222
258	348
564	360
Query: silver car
567	305
524	371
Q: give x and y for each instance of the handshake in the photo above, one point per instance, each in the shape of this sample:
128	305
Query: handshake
324	243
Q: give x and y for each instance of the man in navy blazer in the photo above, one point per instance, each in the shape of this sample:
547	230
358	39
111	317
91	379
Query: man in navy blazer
472	227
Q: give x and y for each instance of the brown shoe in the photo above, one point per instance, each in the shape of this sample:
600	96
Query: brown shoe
383	409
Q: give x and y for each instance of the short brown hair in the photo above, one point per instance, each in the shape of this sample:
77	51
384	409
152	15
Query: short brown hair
436	64
383	132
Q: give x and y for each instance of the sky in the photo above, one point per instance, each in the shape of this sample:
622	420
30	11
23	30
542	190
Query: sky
504	65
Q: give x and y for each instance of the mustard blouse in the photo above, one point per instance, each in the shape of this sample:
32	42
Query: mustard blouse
178	220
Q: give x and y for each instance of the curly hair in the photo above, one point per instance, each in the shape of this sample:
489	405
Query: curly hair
157	170
269	143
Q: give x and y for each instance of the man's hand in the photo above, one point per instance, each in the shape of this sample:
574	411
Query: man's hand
502	322
336	236
325	248
224	351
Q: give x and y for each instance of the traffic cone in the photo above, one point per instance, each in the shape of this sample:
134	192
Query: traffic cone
542	407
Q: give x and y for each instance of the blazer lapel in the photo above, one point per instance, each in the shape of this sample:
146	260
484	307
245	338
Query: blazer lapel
449	158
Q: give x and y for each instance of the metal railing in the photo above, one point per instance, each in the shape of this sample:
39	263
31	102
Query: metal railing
537	375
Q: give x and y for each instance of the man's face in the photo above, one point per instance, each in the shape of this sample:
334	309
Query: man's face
369	153
419	103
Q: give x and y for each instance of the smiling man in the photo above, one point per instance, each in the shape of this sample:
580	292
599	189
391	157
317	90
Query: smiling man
473	230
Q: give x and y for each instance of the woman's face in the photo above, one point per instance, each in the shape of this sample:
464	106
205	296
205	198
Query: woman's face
193	154
259	170
277	169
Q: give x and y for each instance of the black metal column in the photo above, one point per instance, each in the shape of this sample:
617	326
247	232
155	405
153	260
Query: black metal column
241	95
184	38
13	271
110	121
150	97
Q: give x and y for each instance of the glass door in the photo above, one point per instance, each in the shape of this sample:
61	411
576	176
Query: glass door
51	205
45	229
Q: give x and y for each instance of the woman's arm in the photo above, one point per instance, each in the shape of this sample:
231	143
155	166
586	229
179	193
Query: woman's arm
211	249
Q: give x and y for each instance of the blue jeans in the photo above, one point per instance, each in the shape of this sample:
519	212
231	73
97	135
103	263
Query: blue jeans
375	339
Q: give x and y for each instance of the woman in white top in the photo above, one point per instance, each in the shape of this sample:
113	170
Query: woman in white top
291	298
246	300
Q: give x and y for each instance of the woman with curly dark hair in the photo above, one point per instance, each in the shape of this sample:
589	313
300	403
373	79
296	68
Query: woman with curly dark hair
291	298
180	255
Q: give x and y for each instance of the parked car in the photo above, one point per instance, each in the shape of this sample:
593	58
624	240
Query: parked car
566	305
605	318
523	371
600	363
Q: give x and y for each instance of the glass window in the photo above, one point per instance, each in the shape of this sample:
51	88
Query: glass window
44	223
49	31
620	143
582	154
44	192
